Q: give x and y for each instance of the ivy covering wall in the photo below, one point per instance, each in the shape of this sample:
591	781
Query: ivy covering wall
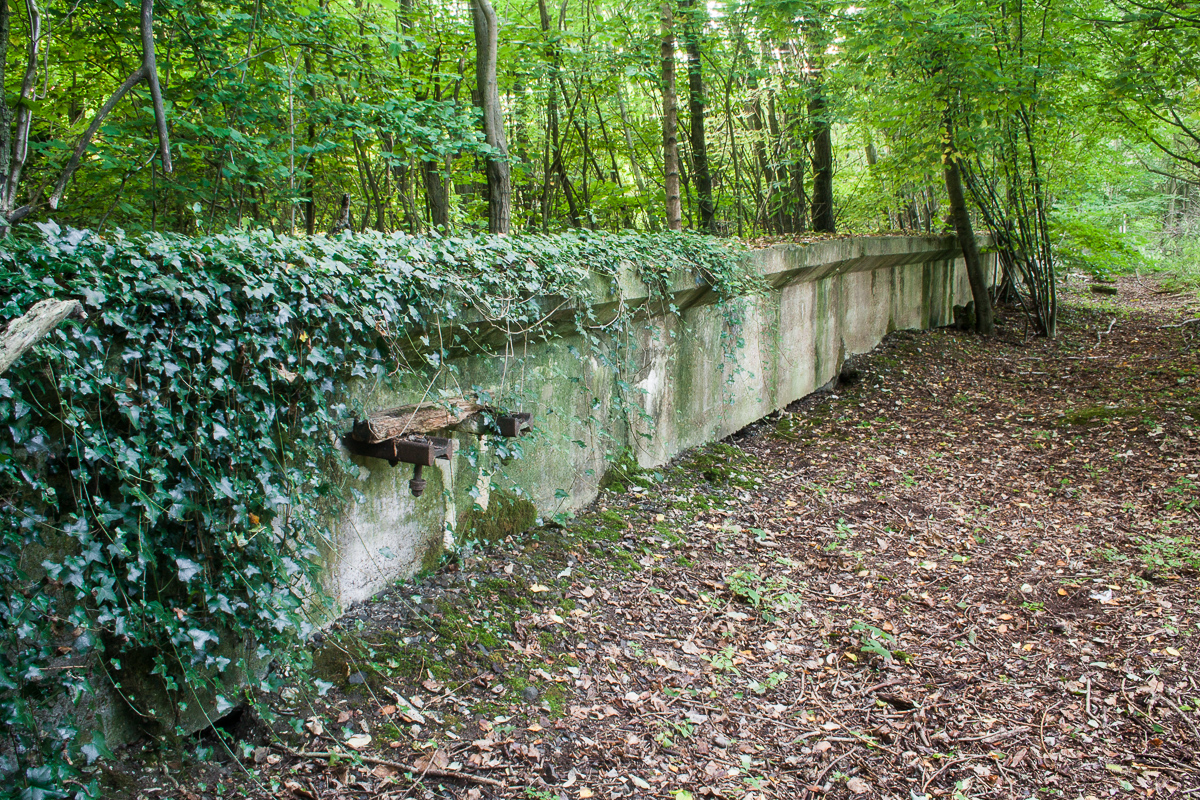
169	468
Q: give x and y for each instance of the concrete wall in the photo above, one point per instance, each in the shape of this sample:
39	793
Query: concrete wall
696	379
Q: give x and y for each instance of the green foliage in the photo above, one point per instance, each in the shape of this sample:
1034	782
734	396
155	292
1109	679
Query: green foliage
168	470
1088	246
723	661
1173	553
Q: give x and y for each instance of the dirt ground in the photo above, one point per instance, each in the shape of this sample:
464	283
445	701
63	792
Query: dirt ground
969	571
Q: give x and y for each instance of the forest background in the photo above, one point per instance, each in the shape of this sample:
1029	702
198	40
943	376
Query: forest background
1073	117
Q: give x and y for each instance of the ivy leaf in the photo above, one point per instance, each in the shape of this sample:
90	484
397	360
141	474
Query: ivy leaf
200	638
188	569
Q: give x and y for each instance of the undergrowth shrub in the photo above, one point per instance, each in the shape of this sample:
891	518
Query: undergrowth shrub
168	469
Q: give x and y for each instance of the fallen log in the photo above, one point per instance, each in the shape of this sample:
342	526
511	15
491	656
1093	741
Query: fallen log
419	418
24	332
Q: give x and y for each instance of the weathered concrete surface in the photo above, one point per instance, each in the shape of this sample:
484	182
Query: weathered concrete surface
677	382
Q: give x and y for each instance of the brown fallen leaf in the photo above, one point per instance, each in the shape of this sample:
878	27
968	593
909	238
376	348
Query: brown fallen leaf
296	789
438	759
858	785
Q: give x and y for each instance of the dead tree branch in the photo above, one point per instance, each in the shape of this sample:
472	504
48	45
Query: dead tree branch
24	332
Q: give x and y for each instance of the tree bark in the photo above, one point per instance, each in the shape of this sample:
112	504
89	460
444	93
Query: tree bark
310	205
627	131
670	124
822	200
344	221
984	315
692	27
437	194
24	332
498	179
24	116
6	114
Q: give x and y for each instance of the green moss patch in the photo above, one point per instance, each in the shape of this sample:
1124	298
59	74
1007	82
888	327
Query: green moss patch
506	515
722	465
1096	415
626	472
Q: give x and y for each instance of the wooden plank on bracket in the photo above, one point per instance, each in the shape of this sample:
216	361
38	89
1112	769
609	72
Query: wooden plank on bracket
414	419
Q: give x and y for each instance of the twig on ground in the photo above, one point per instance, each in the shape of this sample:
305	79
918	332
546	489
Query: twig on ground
1180	712
821	776
1042	726
436	773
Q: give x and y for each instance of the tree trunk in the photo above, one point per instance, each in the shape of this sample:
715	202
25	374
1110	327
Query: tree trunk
309	193
499	183
822	160
693	26
556	165
148	71
6	116
627	131
437	195
984	315
670	124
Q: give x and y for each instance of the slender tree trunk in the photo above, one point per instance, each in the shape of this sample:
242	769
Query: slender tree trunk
557	167
6	114
148	71
309	193
777	203
626	129
796	216
765	173
499	184
693	27
24	116
984	315
822	199
670	124
437	194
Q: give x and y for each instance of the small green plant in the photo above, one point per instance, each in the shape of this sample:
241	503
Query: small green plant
766	686
770	594
876	642
723	661
670	731
1183	496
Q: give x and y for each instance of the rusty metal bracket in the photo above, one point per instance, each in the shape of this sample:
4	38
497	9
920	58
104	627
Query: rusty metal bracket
420	451
513	425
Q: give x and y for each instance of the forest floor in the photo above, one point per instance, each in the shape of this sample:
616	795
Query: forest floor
970	573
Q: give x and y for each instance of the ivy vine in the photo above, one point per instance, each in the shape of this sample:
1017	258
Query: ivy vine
168	469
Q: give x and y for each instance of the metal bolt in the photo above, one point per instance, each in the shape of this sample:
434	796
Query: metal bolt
417	484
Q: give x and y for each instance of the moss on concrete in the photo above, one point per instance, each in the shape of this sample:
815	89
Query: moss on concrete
506	515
